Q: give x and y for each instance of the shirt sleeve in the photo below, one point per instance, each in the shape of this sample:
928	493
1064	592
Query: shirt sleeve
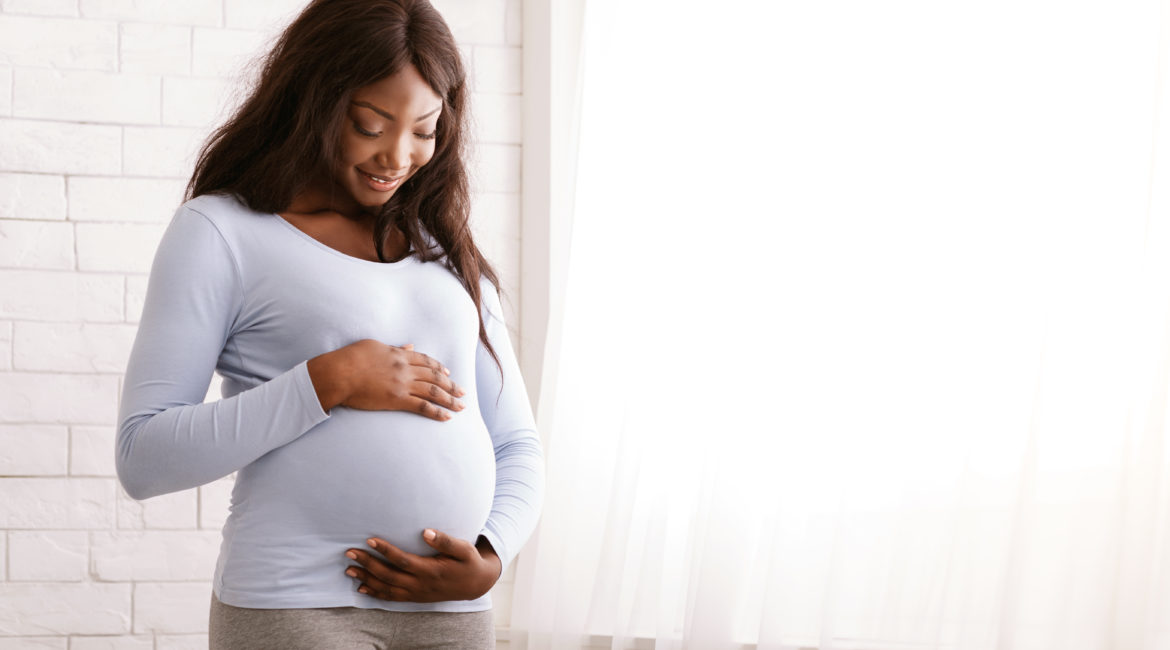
167	438
507	413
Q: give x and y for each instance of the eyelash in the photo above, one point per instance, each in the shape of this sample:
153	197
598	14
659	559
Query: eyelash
420	136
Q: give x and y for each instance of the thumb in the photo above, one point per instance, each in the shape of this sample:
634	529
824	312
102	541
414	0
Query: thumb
442	543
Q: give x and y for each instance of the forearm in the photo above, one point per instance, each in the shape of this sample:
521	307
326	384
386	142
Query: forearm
163	451
519	497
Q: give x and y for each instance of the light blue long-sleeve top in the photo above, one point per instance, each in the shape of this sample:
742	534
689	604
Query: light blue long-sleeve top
251	296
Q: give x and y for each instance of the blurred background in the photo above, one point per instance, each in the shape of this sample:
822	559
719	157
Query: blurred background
845	323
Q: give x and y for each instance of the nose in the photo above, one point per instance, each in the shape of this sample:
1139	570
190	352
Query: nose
396	156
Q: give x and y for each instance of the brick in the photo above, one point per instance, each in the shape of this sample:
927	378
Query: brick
32	196
33	450
5	345
5	90
59	147
64	608
496	168
40	7
59	43
146	200
72	347
497	118
155	49
33	643
144	642
173	608
161	151
228	53
56	503
215	499
191	12
155	555
135	295
475	21
183	641
117	247
197	102
36	244
497	69
265	15
57	296
86	96
58	398
177	510
56	556
91	451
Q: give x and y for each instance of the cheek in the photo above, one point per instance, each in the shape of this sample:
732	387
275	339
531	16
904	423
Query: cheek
423	154
354	151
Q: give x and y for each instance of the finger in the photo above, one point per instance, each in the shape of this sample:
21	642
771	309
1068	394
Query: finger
373	586
427	409
437	378
438	370
424	361
433	393
459	549
396	557
377	566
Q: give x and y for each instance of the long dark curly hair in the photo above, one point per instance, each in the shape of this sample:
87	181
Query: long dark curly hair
286	132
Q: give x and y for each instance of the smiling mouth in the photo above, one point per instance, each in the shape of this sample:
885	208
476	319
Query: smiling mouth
381	179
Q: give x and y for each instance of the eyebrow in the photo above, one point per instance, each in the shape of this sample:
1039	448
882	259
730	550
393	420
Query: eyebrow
391	117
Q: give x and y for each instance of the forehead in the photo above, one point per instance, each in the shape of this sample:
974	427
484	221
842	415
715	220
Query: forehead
405	94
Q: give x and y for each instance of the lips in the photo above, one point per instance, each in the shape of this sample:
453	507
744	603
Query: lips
381	183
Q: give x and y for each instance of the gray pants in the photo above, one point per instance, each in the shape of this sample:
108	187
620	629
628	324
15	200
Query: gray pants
347	628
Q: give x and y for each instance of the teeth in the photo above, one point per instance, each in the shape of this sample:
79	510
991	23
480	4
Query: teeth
380	179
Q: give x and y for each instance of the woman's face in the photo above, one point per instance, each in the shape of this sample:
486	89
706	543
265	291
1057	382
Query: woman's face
388	135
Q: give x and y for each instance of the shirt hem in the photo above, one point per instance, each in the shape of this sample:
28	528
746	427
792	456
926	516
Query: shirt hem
320	600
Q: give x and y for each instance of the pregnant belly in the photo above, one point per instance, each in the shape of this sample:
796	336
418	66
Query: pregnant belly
374	473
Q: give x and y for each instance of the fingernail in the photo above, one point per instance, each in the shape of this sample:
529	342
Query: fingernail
363	590
429	534
459	405
446	371
372	543
351	555
351	573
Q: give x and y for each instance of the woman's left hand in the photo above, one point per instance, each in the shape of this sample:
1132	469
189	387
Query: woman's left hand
461	571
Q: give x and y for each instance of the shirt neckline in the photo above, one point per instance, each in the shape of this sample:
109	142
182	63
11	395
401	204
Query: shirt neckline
409	259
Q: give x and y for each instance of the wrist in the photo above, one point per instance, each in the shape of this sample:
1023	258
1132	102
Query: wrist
327	374
489	555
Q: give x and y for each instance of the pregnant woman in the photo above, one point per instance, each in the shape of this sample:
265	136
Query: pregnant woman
388	463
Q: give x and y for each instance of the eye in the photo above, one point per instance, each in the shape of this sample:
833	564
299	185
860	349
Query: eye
427	136
368	134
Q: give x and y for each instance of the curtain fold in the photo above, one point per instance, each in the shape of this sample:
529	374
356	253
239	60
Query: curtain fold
866	339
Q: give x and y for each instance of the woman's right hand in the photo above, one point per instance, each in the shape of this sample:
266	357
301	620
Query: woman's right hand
374	376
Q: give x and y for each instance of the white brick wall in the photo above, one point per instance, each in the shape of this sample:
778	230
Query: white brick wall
103	105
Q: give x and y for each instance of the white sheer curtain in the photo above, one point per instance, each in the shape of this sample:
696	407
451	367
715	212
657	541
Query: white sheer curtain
866	340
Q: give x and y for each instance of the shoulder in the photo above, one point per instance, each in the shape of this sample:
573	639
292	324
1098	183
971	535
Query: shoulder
220	209
239	226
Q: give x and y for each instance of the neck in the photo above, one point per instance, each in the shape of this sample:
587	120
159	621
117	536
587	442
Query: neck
323	196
